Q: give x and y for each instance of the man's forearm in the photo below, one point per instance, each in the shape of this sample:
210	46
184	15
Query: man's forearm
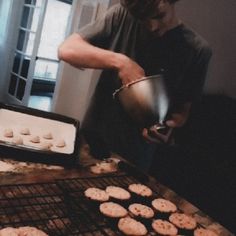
79	53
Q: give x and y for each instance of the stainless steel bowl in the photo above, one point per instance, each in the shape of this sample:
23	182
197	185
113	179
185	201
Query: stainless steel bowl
145	100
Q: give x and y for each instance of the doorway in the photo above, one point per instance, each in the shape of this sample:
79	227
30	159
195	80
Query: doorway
35	64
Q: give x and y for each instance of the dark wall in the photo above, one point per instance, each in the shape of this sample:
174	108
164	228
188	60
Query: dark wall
215	21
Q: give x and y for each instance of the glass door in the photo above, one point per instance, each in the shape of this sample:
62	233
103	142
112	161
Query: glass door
29	32
53	33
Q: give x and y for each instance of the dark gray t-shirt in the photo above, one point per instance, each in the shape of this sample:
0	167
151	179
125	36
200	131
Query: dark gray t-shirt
180	52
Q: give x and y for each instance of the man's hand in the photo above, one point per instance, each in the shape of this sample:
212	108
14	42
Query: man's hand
129	70
154	135
177	119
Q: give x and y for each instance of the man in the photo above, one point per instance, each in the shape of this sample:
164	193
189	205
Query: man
134	39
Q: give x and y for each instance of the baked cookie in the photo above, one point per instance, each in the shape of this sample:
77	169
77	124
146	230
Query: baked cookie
112	210
96	194
164	227
183	221
130	226
30	231
118	193
163	205
140	189
9	231
103	167
22	231
140	210
204	232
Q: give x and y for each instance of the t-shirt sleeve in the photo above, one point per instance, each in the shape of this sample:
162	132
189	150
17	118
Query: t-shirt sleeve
100	32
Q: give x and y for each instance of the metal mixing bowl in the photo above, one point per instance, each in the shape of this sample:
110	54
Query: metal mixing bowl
145	100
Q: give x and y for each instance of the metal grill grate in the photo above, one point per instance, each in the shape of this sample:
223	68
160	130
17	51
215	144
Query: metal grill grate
58	208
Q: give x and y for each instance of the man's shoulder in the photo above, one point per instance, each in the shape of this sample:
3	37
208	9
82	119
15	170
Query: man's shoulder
194	40
117	9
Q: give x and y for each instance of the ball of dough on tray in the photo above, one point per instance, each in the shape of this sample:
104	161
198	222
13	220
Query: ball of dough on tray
35	139
8	133
48	135
60	143
25	131
17	140
46	145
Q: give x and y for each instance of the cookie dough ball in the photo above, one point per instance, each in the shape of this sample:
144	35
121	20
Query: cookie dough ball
46	146
118	193
17	140
113	210
31	231
60	143
163	227
130	226
96	194
140	189
48	135
35	139
25	131
183	221
164	205
8	133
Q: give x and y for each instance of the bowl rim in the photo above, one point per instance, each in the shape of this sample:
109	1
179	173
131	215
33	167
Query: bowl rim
117	91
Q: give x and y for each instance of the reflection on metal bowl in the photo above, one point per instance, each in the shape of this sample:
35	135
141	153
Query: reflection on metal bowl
145	100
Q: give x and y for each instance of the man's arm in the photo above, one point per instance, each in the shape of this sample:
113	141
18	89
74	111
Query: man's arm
81	54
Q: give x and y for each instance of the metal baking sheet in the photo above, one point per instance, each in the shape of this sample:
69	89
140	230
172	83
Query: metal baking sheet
39	124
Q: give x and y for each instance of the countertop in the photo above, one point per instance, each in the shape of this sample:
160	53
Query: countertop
21	172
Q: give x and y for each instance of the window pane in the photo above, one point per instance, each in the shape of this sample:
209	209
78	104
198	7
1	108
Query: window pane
25	17
30	43
31	2
16	64
21	40
25	67
21	89
53	32
35	19
45	69
12	86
